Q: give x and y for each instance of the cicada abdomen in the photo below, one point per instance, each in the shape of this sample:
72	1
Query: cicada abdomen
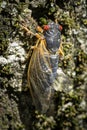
43	66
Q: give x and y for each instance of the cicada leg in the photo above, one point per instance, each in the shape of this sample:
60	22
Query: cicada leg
26	29
61	53
37	43
34	34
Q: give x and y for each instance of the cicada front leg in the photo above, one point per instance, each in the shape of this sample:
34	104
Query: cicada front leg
37	35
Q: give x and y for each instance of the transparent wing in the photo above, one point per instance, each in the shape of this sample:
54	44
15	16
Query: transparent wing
40	77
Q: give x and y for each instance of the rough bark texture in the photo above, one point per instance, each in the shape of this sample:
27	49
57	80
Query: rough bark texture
16	108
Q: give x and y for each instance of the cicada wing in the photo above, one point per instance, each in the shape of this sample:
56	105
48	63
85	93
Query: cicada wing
40	78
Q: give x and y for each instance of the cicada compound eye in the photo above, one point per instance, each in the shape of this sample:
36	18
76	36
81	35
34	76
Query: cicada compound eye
60	28
46	27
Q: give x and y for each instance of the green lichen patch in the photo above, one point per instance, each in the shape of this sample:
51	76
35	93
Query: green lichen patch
9	115
69	110
43	122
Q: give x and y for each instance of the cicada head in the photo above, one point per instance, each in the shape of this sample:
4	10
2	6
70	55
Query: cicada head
52	33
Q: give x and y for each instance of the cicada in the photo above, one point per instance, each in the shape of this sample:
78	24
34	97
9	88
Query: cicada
43	65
